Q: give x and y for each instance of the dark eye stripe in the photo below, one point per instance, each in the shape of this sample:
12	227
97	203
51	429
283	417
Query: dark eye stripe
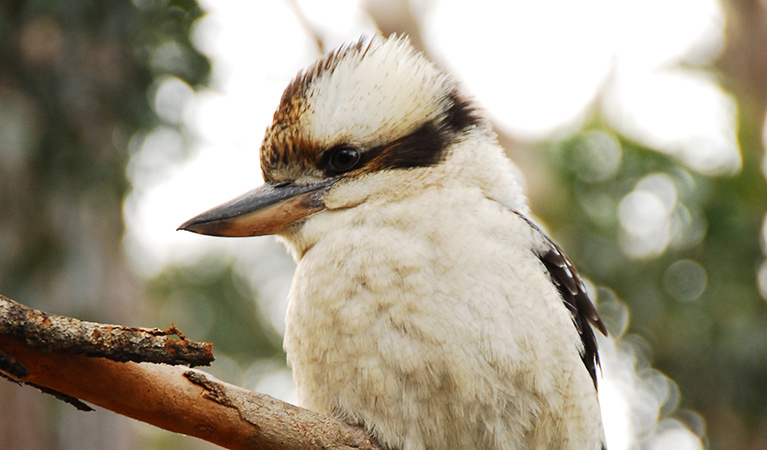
422	148
425	146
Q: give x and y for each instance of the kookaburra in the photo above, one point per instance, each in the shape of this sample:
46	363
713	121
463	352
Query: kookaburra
426	306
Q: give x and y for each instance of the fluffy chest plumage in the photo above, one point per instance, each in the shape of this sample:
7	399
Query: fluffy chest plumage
431	322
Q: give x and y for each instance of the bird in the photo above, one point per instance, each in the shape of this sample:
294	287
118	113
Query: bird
426	305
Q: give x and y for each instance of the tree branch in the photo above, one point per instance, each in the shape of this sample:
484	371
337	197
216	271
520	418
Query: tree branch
174	398
47	332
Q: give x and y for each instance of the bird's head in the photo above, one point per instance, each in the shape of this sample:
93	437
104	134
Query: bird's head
355	125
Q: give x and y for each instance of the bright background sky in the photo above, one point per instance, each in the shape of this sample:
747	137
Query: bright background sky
541	69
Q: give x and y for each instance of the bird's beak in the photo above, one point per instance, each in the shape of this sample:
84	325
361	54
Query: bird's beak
264	210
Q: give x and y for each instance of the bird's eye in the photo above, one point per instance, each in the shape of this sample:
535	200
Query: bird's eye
343	159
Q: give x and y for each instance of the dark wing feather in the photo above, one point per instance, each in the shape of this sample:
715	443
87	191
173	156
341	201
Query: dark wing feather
568	281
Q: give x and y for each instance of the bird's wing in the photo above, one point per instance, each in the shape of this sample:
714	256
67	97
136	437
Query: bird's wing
574	295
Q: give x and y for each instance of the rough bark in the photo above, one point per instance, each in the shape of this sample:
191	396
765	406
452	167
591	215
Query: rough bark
71	359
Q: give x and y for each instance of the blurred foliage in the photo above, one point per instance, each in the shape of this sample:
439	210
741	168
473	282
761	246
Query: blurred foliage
696	300
74	78
75	81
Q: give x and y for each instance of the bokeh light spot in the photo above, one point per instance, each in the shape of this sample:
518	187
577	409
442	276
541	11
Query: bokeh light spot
685	280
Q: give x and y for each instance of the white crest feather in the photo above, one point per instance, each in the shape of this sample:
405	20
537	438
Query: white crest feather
374	95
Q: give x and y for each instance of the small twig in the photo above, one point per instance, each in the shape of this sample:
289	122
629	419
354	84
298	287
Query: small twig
308	27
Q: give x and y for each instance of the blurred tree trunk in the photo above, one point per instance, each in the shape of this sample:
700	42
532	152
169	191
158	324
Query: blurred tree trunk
743	59
743	63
